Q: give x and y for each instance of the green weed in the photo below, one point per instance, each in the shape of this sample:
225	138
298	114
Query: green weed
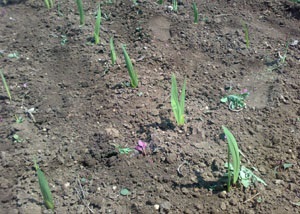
49	4
196	14
80	10
97	26
236	101
132	74
234	154
175	5
178	105
46	192
112	51
5	85
246	31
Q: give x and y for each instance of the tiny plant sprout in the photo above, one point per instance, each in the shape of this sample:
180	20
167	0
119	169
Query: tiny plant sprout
178	105
47	195
175	5
160	1
112	51
97	26
132	74
234	153
49	3
80	10
196	14
246	31
5	84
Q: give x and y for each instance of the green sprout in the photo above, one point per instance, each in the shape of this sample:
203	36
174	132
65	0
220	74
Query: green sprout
13	55
49	4
233	152
175	5
178	105
5	85
123	150
19	119
133	75
236	101
112	51
17	138
246	31
196	14
46	192
160	1
97	26
80	10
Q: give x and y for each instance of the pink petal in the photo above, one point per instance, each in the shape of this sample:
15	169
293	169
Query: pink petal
142	144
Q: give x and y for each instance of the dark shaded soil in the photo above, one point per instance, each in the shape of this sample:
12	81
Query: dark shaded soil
83	108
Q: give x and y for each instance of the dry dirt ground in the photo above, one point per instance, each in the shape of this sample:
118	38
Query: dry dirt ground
84	110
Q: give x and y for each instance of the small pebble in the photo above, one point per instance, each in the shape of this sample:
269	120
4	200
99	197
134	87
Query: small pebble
222	194
66	185
156	206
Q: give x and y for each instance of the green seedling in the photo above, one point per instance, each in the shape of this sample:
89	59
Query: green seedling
234	154
175	5
80	10
97	26
246	31
5	85
63	40
280	62
49	4
236	102
132	74
19	119
160	1
121	150
46	192
13	55
125	192
196	14
178	105
113	55
59	10
17	138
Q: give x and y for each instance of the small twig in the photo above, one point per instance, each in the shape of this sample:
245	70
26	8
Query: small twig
178	169
81	195
251	198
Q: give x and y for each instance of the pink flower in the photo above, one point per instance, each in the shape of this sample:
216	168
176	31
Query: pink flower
244	91
141	147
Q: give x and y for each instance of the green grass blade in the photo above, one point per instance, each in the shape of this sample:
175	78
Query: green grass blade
44	186
245	27
174	99
182	102
47	4
97	26
112	51
5	85
132	73
233	149
80	10
196	14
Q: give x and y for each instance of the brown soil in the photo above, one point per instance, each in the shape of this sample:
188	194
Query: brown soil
82	106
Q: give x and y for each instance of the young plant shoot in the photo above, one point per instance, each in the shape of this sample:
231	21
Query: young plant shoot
133	75
49	4
160	1
196	14
80	10
233	151
175	5
178	105
112	51
246	31
5	85
97	26
46	192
